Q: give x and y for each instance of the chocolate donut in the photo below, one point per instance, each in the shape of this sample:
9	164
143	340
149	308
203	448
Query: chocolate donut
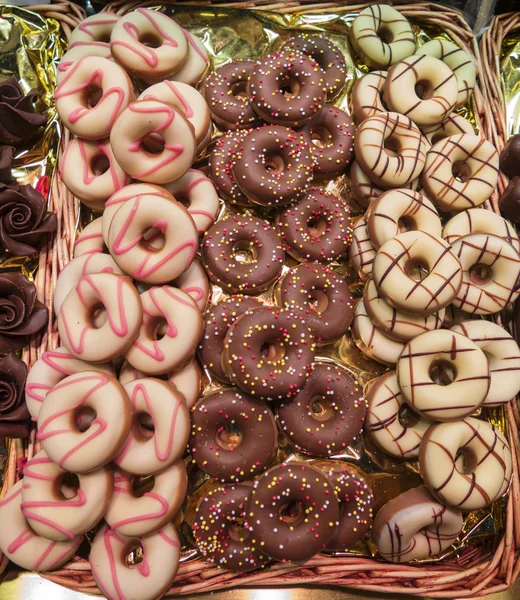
217	320
221	162
226	97
286	88
273	165
322	295
233	436
332	136
225	244
292	511
268	352
327	415
326	54
220	533
316	228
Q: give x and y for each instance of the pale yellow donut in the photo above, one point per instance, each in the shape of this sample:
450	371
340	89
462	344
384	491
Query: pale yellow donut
96	28
367	96
365	191
361	252
452	125
79	50
90	239
197	63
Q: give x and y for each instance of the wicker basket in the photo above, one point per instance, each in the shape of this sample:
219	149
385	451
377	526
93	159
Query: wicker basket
490	567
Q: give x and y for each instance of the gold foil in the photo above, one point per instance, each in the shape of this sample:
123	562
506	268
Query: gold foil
510	74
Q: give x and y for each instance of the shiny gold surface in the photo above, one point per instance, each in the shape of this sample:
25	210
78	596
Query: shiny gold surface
510	71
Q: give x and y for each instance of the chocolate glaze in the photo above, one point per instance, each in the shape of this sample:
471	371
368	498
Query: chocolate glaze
18	121
510	157
14	415
509	202
221	162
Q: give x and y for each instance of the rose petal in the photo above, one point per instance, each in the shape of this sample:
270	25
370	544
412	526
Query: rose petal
6	159
33	323
12	343
12	313
19	429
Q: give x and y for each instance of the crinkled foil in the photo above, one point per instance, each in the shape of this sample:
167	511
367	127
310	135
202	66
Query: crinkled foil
510	73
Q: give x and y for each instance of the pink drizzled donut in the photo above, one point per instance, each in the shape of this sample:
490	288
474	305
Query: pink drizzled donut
195	283
77	51
197	63
96	28
90	239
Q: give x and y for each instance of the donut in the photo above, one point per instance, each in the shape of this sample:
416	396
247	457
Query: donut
233	436
461	172
367	96
417	272
435	80
297	522
503	356
233	238
381	36
159	429
58	516
195	283
118	574
443	375
90	239
149	44
355	504
361	252
413	525
490	273
273	165
188	101
459	61
452	125
225	94
221	163
84	421
51	368
391	423
76	321
480	220
78	50
327	415
323	297
390	149
21	545
268	352
396	211
462	463
128	246
220	531
217	320
316	228
326	55
371	341
136	124
89	79
505	452
196	191
397	324
134	513
196	64
96	28
169	333
286	88
331	132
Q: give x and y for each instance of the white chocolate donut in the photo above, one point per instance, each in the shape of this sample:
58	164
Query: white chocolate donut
361	252
129	43
413	525
77	51
396	211
389	432
503	355
198	192
179	312
20	543
480	220
454	315
390	149
505	451
452	125
49	370
57	516
367	96
147	580
371	341
396	324
90	239
476	162
424	369
137	515
195	283
491	272
473	482
142	119
83	337
459	61
99	173
75	94
96	28
60	431
370	45
129	248
439	86
364	191
197	63
146	451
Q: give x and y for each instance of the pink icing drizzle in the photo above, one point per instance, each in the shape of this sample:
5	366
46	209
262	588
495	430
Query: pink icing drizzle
168	540
194	45
106	150
188	110
113	571
197	293
149	516
25	536
86	27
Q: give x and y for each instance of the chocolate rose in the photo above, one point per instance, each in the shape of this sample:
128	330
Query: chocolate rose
21	313
18	121
6	161
14	416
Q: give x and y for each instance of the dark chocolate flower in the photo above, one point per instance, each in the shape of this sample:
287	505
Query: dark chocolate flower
14	416
6	160
21	313
18	121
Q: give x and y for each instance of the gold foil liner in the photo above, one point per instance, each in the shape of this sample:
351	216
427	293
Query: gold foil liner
510	74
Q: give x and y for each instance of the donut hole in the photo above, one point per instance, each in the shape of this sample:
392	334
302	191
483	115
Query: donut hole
239	90
98	317
480	274
273	163
291	512
159	329
152	240
407	416
416	269
244	252
465	461
392	146
144	425
321	137
437	137
92	95
237	531
150	39
317	225
229	436
68	486
182	198
406	224
289	87
321	408
318	301
272	352
134	554
461	171
424	89
443	372
84	417
153	144
142	485
99	164
385	34
103	37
